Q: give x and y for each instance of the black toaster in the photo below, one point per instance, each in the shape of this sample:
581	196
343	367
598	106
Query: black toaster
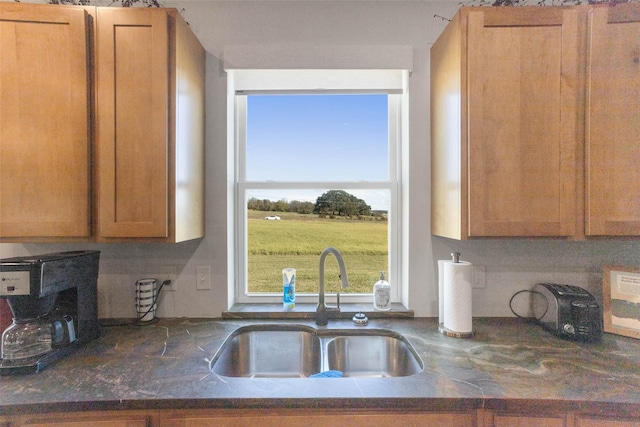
568	311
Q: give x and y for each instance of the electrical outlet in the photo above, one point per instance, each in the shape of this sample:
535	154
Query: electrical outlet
477	274
203	278
169	272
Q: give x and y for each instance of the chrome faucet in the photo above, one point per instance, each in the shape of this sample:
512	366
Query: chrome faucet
322	311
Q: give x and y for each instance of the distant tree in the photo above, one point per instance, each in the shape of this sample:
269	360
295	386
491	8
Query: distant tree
339	202
280	206
363	208
254	204
301	207
259	205
333	202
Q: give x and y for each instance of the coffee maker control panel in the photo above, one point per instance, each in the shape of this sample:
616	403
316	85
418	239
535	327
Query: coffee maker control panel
14	283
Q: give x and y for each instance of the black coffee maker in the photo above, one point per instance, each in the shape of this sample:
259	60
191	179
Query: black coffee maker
54	302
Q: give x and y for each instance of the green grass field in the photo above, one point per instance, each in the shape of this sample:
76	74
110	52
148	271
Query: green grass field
298	240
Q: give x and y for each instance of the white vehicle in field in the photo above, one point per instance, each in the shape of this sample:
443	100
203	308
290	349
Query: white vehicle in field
272	218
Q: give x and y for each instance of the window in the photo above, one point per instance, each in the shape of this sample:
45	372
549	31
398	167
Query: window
316	168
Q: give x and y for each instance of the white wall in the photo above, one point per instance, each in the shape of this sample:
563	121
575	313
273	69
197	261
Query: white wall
510	264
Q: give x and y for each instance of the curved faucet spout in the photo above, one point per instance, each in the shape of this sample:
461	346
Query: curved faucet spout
322	311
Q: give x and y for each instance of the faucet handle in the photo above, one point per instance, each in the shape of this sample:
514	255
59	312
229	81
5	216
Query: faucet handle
334	308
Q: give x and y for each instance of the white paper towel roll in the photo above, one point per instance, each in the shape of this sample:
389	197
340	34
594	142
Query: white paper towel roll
455	295
441	263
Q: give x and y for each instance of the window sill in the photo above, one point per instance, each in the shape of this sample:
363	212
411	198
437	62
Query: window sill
308	311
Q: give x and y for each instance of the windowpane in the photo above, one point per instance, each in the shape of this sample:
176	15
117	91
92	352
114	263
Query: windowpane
284	231
317	138
316	171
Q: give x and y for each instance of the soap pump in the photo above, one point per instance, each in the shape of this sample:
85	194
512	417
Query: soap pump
382	294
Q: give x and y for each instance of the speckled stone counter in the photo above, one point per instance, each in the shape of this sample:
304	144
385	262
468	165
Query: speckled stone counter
165	365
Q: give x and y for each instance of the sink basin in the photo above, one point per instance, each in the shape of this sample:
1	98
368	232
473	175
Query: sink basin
266	352
372	356
299	351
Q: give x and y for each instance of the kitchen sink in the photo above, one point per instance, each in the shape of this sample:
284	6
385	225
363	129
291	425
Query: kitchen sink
299	351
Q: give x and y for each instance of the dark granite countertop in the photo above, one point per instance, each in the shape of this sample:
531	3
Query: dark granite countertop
165	365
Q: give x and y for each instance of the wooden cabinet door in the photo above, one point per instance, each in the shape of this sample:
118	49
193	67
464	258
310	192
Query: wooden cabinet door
519	421
593	422
44	122
312	418
523	92
87	423
613	122
86	419
132	122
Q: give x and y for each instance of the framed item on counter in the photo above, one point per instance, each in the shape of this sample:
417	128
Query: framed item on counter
621	293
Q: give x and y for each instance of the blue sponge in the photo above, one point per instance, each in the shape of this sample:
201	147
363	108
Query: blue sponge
327	374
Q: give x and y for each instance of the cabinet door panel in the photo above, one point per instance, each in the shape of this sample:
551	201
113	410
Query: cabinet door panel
44	122
613	122
85	419
133	110
516	421
522	79
315	420
586	421
91	423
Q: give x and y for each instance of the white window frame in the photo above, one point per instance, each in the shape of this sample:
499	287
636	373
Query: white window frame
397	140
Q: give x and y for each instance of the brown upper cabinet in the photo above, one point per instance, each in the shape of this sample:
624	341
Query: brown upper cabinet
613	121
504	88
150	125
45	111
509	88
143	137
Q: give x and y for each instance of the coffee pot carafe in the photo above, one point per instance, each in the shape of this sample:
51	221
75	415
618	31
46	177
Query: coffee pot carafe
26	338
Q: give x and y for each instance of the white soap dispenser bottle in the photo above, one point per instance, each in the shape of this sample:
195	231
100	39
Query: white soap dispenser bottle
382	294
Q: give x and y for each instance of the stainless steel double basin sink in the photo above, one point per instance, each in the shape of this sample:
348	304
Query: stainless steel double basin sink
301	351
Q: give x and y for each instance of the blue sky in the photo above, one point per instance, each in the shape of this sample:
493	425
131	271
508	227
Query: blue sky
317	138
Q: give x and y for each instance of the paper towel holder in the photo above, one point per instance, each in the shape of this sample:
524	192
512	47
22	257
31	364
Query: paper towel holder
455	257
